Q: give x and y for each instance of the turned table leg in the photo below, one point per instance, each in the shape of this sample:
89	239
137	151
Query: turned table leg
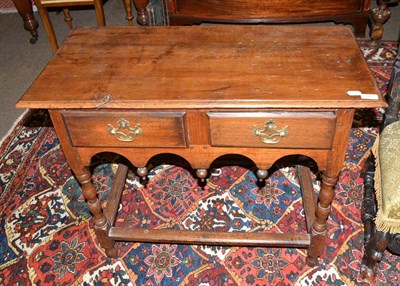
318	230
24	8
102	226
329	179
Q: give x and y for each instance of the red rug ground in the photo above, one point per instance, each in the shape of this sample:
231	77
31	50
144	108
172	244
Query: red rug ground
46	235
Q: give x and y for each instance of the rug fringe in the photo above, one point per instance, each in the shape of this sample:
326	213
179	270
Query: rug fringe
14	125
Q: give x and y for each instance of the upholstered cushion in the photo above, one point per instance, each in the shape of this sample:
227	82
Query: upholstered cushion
387	179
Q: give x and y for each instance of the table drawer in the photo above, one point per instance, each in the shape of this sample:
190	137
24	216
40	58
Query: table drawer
310	130
126	129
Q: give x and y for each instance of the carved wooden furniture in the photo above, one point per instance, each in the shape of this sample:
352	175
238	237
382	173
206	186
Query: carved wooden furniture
379	16
201	93
25	9
141	9
42	6
189	12
384	181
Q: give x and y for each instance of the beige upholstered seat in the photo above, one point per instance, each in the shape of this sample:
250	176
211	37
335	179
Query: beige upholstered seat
387	179
42	6
382	219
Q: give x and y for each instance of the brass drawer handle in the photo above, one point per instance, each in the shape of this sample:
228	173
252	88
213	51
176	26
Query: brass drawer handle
124	132
270	135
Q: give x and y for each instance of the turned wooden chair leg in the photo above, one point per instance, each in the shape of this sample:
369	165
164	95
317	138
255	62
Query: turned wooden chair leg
369	204
24	8
373	254
68	18
380	15
128	11
141	7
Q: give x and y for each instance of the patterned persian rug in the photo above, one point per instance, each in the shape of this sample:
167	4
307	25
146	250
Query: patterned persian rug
46	235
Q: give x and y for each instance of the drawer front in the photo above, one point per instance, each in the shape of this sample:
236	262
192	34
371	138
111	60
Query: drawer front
126	129
305	130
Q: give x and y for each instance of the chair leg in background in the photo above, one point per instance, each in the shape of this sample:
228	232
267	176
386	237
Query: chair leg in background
68	18
48	26
101	19
373	254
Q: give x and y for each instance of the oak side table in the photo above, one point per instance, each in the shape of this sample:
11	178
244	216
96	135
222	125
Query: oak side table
201	93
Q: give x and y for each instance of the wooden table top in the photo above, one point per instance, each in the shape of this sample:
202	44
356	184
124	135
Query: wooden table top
205	67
